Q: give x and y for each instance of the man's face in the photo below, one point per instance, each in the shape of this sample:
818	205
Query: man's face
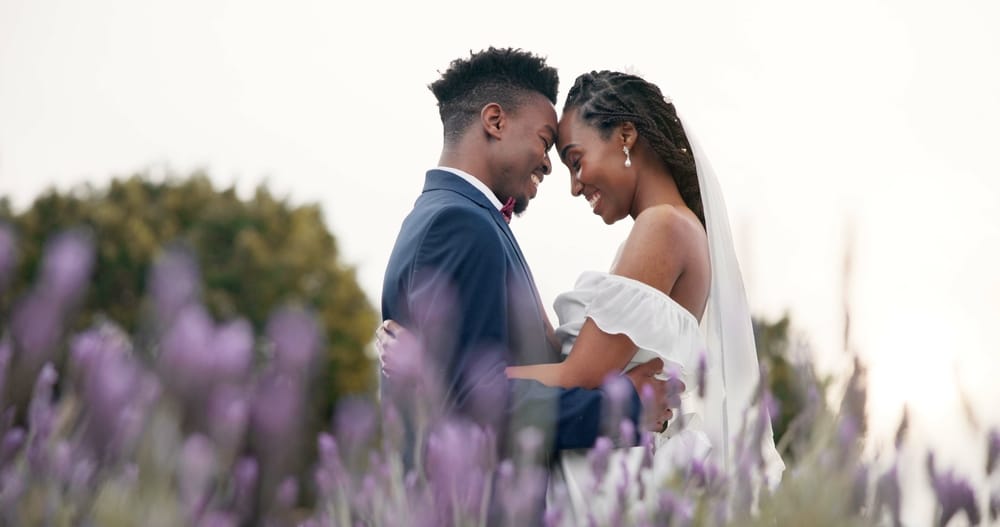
524	158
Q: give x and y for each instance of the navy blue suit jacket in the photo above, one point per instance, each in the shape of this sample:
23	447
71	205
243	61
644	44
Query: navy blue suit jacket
457	276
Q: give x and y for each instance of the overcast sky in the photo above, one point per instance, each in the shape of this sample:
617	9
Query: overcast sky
867	120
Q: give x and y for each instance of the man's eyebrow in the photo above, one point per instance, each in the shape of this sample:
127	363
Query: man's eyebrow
562	153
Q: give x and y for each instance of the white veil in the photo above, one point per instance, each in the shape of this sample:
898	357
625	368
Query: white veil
733	372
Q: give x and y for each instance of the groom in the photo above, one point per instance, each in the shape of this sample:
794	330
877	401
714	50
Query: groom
456	275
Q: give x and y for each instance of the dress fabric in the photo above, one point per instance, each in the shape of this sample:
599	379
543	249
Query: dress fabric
659	327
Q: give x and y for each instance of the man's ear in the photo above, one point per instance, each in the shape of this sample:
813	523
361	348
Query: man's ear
493	119
629	134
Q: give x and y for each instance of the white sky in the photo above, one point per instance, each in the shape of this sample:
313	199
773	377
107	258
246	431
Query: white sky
878	114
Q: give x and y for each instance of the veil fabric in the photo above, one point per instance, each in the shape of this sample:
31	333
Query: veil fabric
733	372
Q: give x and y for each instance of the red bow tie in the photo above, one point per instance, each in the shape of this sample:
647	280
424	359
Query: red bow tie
508	209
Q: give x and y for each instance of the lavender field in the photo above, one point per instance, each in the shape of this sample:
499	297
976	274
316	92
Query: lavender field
197	421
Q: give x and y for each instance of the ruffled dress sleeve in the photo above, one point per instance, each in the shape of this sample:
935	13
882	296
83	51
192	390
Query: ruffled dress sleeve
656	324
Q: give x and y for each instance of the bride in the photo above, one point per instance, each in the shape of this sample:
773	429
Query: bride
674	291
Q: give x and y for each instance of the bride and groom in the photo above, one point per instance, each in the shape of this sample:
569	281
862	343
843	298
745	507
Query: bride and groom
672	303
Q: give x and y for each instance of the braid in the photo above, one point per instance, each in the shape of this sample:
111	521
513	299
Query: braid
609	98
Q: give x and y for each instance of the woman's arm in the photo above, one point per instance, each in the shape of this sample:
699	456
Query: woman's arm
652	254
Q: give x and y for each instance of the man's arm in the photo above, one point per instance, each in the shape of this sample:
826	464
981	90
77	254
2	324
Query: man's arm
459	299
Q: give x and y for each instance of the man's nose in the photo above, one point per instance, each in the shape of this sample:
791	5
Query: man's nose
546	165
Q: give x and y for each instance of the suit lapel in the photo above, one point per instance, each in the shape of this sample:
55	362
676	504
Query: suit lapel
444	180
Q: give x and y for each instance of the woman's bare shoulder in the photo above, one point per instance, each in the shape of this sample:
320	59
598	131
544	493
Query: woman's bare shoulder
660	246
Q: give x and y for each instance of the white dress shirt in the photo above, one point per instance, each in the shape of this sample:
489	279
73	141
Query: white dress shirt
475	182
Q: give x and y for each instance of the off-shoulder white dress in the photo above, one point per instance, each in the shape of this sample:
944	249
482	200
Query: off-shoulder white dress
659	327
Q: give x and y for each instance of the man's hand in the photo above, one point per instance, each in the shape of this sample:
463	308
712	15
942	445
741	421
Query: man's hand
655	393
389	338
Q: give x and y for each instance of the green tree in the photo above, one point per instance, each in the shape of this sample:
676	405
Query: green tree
254	255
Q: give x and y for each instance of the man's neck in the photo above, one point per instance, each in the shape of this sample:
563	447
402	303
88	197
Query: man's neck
471	164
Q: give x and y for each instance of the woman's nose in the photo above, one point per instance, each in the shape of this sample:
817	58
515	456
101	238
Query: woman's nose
575	187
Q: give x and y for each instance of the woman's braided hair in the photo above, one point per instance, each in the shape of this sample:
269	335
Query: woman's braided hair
606	99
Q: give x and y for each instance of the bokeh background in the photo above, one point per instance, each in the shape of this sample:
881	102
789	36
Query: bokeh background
855	143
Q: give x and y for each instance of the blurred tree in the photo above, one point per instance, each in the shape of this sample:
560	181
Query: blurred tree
254	256
790	383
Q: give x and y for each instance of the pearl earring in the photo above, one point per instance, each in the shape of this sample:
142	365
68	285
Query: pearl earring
628	159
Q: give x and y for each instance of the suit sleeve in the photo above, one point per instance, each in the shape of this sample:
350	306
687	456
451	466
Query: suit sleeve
458	298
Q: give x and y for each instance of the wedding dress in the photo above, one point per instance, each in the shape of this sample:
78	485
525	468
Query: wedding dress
659	327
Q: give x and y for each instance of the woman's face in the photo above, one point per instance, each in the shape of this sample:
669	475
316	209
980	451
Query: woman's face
596	167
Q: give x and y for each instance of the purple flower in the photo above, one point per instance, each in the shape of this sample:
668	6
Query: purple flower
13	440
288	493
228	415
41	415
68	261
276	420
186	361
599	458
6	352
702	371
953	494
196	471
992	450
355	424
459	456
859	489
116	394
218	519
295	336
245	474
994	506
174	283
36	325
626	432
8	254
887	494
232	350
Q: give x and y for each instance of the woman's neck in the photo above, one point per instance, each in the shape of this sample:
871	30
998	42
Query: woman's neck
655	187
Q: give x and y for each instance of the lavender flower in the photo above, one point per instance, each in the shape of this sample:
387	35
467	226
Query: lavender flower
355	424
599	457
994	506
295	336
196	471
288	493
992	450
232	351
67	266
887	495
174	283
116	396
8	254
953	494
245	475
459	455
228	416
702	371
41	416
12	442
218	519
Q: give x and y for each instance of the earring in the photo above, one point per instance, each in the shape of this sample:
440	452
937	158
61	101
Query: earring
628	158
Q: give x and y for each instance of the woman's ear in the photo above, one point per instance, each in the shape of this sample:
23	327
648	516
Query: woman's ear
629	134
493	119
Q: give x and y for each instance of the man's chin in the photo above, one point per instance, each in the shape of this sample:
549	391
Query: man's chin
520	204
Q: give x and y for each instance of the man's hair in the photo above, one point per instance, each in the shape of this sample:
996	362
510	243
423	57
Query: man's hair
503	76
